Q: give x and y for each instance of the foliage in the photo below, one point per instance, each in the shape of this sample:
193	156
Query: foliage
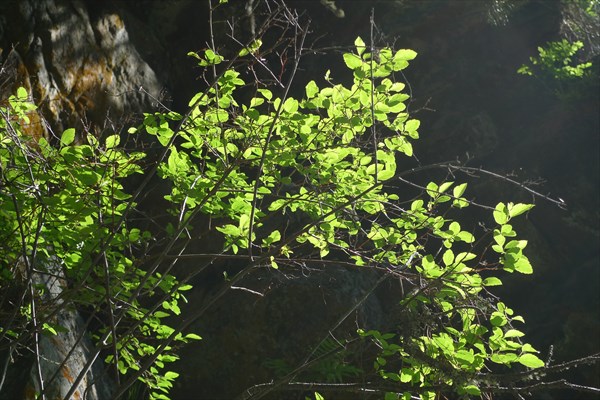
281	180
555	60
316	160
67	203
590	7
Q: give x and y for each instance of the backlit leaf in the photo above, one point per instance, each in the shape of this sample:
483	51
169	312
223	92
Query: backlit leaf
530	360
501	215
352	60
518	209
67	137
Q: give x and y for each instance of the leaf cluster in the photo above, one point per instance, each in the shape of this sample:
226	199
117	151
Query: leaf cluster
284	181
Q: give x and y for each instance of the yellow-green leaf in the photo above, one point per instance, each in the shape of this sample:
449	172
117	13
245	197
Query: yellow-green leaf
67	137
352	60
530	360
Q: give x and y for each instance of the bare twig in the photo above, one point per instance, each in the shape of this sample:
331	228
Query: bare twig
299	47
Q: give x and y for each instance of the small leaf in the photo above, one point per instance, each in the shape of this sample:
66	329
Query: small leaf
445	186
406	375
405	54
352	61
273	237
527	348
523	265
193	336
448	257
432	189
530	360
459	190
501	215
22	93
503	358
518	209
498	319
290	105
390	396
251	49
492	281
360	45
67	137
267	94
513	333
412	125
472	390
112	141
311	90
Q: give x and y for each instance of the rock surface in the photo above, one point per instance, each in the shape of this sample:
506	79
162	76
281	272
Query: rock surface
80	67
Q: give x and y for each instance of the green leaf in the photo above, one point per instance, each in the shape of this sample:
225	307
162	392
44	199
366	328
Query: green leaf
273	237
273	263
530	360
518	209
513	333
22	93
412	125
290	105
251	49
501	215
432	189
466	237
267	94
160	314
498	319
406	375
352	60
523	265
459	190
465	256
503	358
445	186
112	141
67	137
472	390
229	229
492	281
360	45
311	90
448	257
527	348
193	336
405	54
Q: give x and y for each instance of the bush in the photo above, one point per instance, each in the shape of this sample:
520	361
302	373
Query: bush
282	180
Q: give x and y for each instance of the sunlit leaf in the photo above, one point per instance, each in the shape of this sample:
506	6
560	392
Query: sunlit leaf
530	360
352	60
67	137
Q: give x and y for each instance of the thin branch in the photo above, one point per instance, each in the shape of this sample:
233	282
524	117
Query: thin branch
399	388
373	128
542	386
298	55
559	202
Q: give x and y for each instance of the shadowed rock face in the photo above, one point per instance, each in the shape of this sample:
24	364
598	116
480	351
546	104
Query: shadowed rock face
65	355
79	67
